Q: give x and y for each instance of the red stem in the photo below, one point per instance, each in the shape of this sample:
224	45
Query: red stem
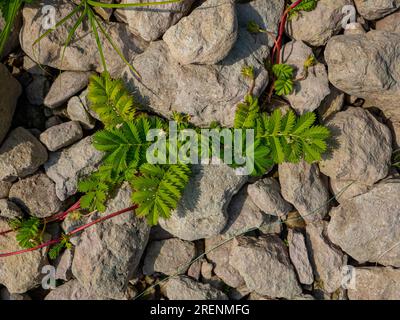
81	228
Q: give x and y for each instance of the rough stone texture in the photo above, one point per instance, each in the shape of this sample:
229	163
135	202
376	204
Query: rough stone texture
220	258
168	256
206	36
194	270
5	187
307	94
82	53
266	13
244	215
325	19
19	273
327	261
266	194
358	65
354	28
66	167
366	227
201	212
374	283
20	155
65	86
9	209
265	266
77	112
61	135
299	256
10	90
206	93
347	189
63	265
71	290
362	148
53	121
151	22
184	288
32	67
332	103
36	195
376	9
303	187
109	252
6	295
391	23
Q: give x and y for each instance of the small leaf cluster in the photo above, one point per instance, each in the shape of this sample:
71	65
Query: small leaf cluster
29	231
284	79
305	5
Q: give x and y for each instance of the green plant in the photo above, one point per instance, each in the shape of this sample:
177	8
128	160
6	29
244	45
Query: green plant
396	159
283	79
56	249
29	231
305	5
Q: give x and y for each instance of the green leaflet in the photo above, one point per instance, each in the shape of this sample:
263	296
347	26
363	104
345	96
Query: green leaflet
29	231
284	79
246	113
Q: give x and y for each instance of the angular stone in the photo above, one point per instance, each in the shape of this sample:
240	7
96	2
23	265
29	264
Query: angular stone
65	86
303	187
10	90
201	212
219	255
255	258
72	290
311	90
266	194
362	149
63	265
19	273
332	103
168	256
20	155
390	23
5	187
206	93
61	135
77	112
184	288
299	256
36	195
374	283
151	22
109	252
345	190
358	65
376	9
325	19
366	226
327	261
206	36
66	167
82	52
9	209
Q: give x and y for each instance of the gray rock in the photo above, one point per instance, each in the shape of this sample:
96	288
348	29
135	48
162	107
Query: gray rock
308	93
19	273
5	187
332	103
374	283
36	195
358	65
244	215
194	270
362	150
207	270
366	226
65	86
82	53
9	209
77	112
53	121
206	36
267	255
66	167
327	261
63	265
390	23
347	189
201	212
151	22
72	290
32	67
168	256
184	288
218	250
36	90
61	135
354	28
266	194
303	187
206	93
266	13
376	9
325	19
299	256
10	90
109	252
6	295
20	155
